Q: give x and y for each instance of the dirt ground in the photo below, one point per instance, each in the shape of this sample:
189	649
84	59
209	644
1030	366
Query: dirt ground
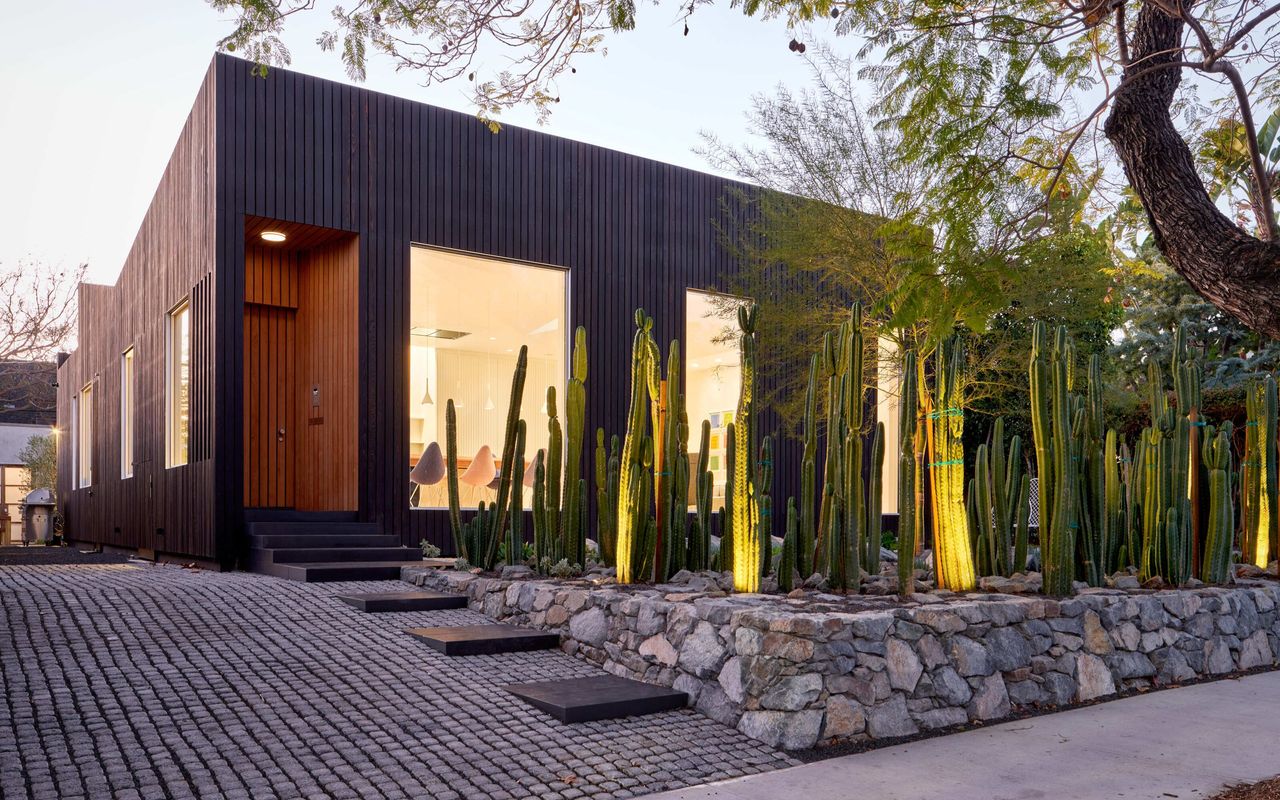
1262	790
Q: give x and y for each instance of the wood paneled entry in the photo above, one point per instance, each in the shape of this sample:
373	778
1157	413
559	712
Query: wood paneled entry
301	369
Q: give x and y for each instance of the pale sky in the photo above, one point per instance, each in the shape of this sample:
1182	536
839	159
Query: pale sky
94	93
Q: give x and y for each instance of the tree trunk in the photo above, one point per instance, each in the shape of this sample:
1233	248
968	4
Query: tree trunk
1238	273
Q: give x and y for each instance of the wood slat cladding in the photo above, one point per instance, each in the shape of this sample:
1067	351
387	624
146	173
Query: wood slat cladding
632	233
163	510
269	406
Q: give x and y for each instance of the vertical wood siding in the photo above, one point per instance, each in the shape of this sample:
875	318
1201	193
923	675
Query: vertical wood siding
632	232
165	510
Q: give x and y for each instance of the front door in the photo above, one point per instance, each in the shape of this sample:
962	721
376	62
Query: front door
270	408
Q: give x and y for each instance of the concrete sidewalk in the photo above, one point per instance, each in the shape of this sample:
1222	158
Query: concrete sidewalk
1179	743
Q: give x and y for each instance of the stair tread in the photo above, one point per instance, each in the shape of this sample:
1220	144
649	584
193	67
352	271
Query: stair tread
599	697
467	640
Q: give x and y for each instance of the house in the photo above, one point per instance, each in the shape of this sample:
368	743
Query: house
321	269
28	402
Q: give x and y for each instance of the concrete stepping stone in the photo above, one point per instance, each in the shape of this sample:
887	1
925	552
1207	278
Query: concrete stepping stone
377	602
600	697
472	640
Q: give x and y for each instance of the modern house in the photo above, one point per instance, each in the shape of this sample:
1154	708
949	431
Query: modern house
321	269
27	410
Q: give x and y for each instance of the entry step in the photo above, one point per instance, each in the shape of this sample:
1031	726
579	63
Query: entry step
600	697
473	640
378	602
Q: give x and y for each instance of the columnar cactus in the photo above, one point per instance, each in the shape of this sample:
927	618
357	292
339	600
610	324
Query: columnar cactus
505	481
1260	473
451	478
515	533
555	451
541	545
808	478
1216	564
575	407
700	534
953	560
1051	424
908	473
875	502
746	508
762	492
787	561
633	510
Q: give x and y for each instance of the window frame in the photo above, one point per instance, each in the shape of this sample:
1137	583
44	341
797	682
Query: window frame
177	451
84	443
128	410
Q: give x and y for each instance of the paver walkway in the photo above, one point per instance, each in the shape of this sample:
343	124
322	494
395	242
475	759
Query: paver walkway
134	681
1180	743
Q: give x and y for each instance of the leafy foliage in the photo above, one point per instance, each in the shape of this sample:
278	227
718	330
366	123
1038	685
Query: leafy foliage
40	457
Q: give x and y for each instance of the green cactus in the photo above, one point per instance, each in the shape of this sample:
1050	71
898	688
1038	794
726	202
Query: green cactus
762	491
1051	423
1261	494
541	547
1216	564
671	511
574	545
746	506
498	518
730	492
953	559
700	535
515	533
632	518
555	464
908	473
451	473
808	468
787	562
875	502
604	510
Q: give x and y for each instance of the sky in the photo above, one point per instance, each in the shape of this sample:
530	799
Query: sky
93	95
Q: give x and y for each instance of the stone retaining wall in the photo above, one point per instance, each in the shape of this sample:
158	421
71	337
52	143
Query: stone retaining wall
793	673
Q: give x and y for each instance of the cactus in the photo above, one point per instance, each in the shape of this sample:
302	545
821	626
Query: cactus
498	516
1215	566
808	468
1187	371
574	545
953	559
1260	473
671	510
515	533
451	473
1051	422
555	451
700	533
730	492
541	547
605	510
746	508
875	501
787	561
631	516
908	474
762	491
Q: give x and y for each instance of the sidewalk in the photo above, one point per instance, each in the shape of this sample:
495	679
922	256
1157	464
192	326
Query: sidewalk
1178	743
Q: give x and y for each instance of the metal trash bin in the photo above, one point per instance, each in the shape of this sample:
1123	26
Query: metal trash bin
37	517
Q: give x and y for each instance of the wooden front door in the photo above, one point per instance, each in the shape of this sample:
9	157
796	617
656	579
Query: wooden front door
270	408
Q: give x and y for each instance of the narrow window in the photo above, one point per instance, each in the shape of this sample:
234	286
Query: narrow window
85	444
126	414
713	380
178	385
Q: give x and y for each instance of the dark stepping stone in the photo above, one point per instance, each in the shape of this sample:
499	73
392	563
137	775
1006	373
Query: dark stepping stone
601	697
404	601
473	640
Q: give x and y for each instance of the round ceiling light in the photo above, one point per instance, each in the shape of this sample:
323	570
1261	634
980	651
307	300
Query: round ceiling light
272	236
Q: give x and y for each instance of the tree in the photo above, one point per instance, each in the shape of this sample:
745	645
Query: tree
978	91
40	457
37	319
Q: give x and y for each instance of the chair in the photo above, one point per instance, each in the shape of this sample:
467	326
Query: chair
429	471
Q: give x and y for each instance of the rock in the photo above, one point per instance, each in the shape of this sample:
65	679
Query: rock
1255	651
513	571
990	699
940	620
590	627
1094	678
888	555
844	718
1217	654
1008	648
931	651
1126	636
713	703
941	718
657	647
816	581
950	688
792	648
1126	665
788	730
702	651
793	693
1059	689
688	684
1095	637
890	719
970	657
1249	571
1002	585
1154	582
731	680
903	664
1171	666
557	615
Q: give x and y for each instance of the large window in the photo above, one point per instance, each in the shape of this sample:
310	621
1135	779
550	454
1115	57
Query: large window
468	317
178	385
84	470
713	379
126	414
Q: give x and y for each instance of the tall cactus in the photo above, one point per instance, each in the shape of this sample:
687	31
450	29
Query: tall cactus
671	511
632	516
515	533
575	409
746	508
908	473
808	478
700	534
953	560
875	502
451	477
1215	567
762	491
1051	423
604	509
787	561
541	545
1260	468
499	515
555	471
1187	371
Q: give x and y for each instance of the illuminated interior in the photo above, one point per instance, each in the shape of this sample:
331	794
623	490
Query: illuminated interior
713	380
468	317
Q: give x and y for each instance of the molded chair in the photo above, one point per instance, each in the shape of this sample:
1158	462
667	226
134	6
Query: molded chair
429	471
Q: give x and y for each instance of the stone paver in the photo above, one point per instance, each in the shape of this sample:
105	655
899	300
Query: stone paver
154	681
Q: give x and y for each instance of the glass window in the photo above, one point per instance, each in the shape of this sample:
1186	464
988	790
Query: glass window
126	414
713	379
178	385
84	472
468	317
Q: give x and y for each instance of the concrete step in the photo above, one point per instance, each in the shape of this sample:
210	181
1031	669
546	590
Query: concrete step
329	555
472	640
313	527
276	541
378	602
600	697
327	572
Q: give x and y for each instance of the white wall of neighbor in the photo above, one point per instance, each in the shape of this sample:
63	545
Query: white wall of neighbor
888	386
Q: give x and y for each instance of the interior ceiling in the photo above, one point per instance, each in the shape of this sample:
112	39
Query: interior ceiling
500	304
707	321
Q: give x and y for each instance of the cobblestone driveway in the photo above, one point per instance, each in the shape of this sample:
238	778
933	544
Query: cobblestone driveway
158	682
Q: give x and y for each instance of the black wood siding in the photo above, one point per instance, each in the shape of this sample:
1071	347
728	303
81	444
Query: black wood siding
632	232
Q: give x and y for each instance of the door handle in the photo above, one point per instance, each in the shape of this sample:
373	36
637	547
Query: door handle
280	434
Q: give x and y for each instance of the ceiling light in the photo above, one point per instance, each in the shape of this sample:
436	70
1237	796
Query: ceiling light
272	236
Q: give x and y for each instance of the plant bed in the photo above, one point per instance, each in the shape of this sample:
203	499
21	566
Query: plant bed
813	669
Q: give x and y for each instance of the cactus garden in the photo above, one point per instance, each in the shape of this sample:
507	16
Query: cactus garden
1189	500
